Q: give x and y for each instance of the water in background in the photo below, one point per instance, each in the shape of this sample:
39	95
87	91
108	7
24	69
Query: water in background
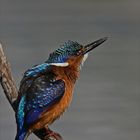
106	103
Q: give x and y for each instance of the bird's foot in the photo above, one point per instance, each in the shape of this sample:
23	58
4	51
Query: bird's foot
51	135
47	134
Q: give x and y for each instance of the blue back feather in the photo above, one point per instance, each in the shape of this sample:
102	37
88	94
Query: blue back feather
38	69
21	112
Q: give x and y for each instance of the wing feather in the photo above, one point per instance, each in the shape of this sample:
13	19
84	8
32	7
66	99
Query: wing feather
39	90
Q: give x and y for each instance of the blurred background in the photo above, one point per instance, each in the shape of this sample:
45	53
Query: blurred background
106	103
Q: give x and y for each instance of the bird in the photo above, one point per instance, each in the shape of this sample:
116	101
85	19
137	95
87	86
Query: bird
46	89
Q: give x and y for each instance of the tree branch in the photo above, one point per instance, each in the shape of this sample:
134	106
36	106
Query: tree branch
11	94
6	79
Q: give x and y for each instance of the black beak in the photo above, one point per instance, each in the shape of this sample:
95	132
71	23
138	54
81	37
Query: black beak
94	44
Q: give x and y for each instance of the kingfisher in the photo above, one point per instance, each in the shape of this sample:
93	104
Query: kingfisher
46	89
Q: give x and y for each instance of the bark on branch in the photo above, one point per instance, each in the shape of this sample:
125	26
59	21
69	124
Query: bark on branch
11	93
6	79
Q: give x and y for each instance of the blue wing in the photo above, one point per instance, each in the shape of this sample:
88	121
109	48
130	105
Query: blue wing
39	90
41	97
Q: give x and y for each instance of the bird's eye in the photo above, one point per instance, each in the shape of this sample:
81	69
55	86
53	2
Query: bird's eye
79	52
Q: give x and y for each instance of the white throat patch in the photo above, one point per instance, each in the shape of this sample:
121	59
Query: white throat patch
84	59
60	64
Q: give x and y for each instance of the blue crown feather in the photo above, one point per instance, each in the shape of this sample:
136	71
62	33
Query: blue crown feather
61	55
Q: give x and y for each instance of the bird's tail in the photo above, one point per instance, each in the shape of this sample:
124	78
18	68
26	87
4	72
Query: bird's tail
22	135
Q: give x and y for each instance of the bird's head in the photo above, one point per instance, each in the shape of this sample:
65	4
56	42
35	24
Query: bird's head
72	53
